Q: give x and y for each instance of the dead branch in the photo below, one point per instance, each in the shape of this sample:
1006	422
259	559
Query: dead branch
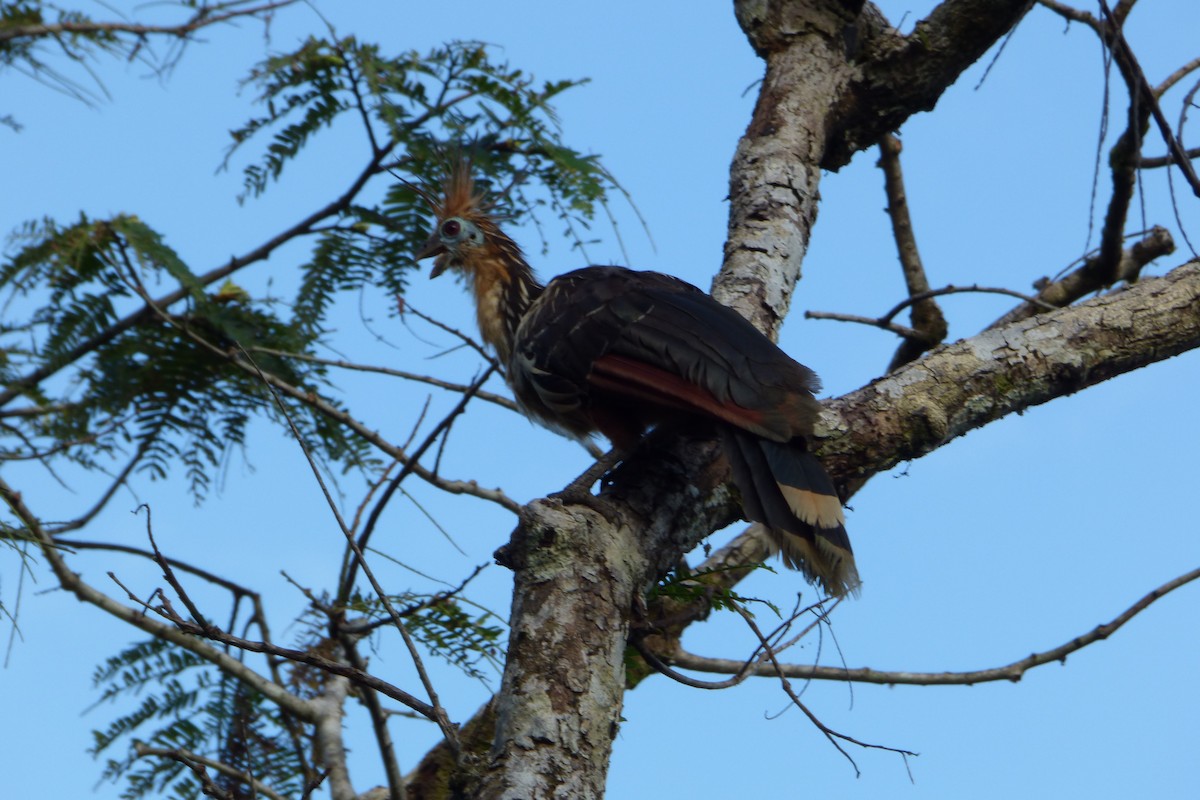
236	589
1013	672
1142	87
830	734
191	630
885	321
203	18
928	322
352	560
1155	162
1092	277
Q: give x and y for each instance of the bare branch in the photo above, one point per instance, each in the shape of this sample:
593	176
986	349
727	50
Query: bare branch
188	631
1014	671
1155	162
198	764
1139	85
203	18
73	583
928	323
885	321
236	589
490	397
1092	277
435	710
1072	14
1176	76
352	561
830	734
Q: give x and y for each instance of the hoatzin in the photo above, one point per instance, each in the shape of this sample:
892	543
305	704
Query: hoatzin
616	351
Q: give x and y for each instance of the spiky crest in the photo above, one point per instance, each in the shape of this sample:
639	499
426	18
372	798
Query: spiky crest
459	198
501	280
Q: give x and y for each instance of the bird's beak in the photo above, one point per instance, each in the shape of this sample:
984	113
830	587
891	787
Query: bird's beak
432	247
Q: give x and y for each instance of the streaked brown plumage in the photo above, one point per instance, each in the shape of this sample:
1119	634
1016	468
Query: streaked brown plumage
615	351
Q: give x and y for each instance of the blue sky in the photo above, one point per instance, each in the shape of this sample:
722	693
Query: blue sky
1013	539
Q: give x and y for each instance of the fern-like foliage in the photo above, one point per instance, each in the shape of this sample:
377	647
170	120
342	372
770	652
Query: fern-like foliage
186	706
163	387
418	114
448	627
118	354
158	384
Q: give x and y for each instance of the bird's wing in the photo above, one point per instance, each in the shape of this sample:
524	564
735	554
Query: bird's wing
611	333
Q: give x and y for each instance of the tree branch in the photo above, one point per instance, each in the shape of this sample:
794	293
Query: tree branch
927	320
820	102
198	764
1010	672
203	18
1092	277
72	583
1004	370
902	75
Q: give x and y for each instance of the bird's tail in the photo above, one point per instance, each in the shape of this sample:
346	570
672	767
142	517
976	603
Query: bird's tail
785	487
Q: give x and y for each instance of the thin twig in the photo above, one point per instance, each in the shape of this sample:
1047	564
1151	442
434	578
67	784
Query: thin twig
1013	672
169	573
406	308
201	19
236	589
1154	162
347	581
436	711
885	321
1142	86
71	582
490	397
830	734
198	764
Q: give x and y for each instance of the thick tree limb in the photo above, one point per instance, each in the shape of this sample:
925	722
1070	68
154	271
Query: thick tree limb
560	701
902	75
1004	370
838	77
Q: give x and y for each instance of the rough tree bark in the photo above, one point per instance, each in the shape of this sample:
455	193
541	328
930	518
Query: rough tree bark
837	79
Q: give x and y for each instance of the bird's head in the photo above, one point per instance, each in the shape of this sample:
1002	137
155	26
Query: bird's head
454	244
465	236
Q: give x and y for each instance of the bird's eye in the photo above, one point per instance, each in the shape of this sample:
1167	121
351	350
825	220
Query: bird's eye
451	228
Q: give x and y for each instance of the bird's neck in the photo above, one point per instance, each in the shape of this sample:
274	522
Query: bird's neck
504	288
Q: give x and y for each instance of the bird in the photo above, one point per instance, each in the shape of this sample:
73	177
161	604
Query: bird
616	351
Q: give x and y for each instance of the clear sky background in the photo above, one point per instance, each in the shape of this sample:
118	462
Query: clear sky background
1011	540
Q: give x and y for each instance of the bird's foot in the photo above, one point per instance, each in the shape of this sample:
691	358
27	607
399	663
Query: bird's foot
579	491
